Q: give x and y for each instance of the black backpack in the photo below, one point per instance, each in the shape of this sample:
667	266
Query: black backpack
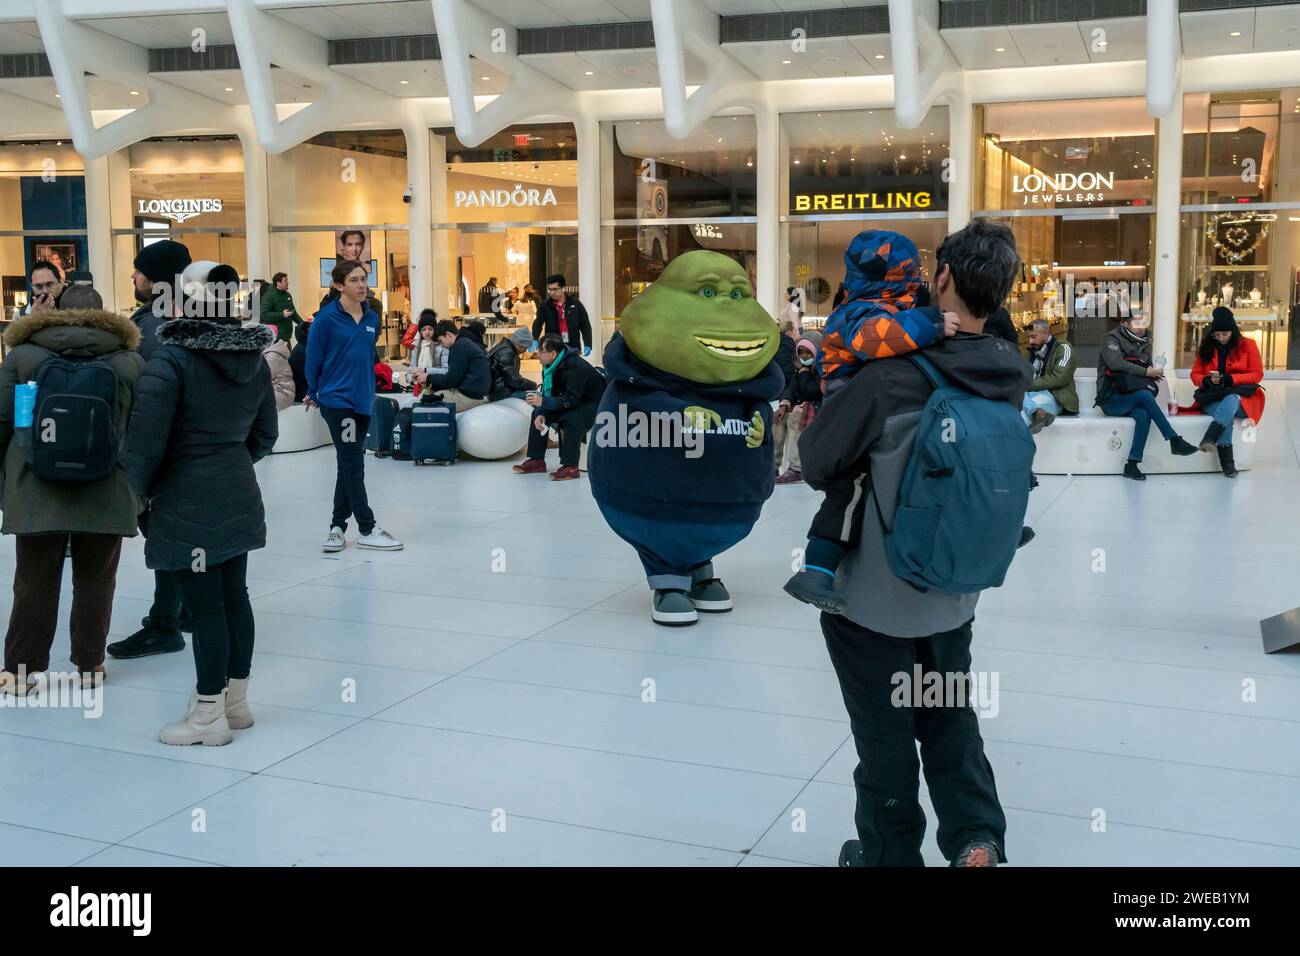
76	425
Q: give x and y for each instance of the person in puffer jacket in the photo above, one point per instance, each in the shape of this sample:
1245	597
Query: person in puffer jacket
680	456
277	362
799	402
886	313
204	414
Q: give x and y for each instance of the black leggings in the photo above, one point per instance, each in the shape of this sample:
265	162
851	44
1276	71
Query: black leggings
217	599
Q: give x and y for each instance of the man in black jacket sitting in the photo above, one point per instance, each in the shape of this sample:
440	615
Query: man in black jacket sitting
466	382
503	362
568	400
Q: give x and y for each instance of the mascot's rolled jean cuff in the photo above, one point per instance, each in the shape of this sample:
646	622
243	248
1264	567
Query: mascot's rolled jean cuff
675	554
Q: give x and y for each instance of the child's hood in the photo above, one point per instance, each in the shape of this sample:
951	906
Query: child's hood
882	264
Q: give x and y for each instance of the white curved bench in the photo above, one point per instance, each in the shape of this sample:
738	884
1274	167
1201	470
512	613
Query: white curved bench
1091	443
301	429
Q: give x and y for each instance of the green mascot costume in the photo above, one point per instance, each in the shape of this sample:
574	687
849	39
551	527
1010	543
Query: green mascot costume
680	457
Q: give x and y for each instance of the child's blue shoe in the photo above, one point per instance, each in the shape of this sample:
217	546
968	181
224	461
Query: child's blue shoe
818	589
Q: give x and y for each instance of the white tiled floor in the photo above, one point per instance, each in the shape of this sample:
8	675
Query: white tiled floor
499	717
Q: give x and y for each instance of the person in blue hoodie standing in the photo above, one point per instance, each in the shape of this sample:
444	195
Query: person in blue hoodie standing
680	458
341	382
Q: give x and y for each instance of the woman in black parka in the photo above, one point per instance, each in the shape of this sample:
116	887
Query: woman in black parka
204	413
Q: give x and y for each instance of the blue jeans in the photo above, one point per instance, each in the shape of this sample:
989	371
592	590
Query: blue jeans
1223	412
1036	400
1142	408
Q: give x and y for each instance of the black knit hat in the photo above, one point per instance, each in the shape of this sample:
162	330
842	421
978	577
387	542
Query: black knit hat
1222	320
163	261
427	318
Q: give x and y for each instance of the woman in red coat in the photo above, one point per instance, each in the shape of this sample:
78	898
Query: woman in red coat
1227	374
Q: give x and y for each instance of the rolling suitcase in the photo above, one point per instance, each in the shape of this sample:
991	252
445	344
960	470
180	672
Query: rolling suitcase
402	435
433	433
379	436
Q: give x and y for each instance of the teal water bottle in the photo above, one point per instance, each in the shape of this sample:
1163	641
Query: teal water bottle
24	412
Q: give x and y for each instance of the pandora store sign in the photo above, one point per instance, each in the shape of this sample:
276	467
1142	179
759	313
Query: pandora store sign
1048	190
177	210
502	198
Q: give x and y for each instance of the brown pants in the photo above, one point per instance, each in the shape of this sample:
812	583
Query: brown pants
785	437
35	612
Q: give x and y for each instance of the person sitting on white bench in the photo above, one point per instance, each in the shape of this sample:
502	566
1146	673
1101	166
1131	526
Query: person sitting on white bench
1126	388
1227	375
1052	391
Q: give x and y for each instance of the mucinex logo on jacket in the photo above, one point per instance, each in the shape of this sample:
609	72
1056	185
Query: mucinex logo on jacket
96	910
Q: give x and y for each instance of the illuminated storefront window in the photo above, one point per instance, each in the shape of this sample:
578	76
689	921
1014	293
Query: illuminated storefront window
43	202
666	196
1240	219
338	196
852	171
1075	181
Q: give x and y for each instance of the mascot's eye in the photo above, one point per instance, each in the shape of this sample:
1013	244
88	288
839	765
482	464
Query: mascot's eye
737	294
708	292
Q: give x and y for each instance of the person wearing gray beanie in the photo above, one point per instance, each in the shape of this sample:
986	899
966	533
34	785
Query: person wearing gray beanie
503	363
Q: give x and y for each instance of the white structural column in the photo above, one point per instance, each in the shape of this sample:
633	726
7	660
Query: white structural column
589	265
1169	178
770	273
682	26
419	219
961	157
257	226
99	231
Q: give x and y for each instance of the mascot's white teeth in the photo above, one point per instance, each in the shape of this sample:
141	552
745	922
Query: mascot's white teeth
733	347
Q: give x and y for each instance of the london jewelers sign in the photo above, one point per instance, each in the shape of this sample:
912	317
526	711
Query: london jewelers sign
503	198
1047	189
178	210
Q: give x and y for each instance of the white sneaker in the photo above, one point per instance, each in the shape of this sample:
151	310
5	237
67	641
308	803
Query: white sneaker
379	540
335	541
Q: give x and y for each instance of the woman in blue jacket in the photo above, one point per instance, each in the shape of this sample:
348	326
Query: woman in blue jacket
341	382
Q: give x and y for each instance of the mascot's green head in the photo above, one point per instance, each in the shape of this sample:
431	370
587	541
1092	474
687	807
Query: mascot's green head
699	320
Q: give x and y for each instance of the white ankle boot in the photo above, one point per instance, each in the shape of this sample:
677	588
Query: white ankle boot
238	714
204	723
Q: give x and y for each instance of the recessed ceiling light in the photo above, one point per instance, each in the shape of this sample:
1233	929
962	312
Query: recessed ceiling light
231	89
590	72
999	49
1235	33
484	78
58	96
796	162
880	56
405	82
785	62
135	92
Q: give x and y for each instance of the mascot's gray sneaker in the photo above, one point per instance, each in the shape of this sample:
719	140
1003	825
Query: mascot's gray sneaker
673	608
711	596
816	588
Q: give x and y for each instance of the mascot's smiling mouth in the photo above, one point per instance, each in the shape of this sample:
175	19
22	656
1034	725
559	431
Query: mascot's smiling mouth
735	348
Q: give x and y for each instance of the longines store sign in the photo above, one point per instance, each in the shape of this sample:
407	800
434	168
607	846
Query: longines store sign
177	210
857	202
1044	189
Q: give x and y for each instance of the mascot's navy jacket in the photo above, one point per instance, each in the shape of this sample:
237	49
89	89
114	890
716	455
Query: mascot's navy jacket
726	483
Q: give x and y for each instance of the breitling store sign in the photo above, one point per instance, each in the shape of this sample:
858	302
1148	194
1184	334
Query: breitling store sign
860	202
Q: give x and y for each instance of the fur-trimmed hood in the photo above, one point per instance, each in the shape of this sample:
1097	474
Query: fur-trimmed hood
203	335
74	329
236	350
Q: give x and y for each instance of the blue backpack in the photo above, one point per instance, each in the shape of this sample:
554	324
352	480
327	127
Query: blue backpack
962	500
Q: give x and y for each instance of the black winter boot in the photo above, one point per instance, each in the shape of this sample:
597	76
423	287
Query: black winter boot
1131	471
1226	462
1181	446
1211	436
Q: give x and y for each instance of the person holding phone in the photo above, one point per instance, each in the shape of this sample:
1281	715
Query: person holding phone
47	285
1227	375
